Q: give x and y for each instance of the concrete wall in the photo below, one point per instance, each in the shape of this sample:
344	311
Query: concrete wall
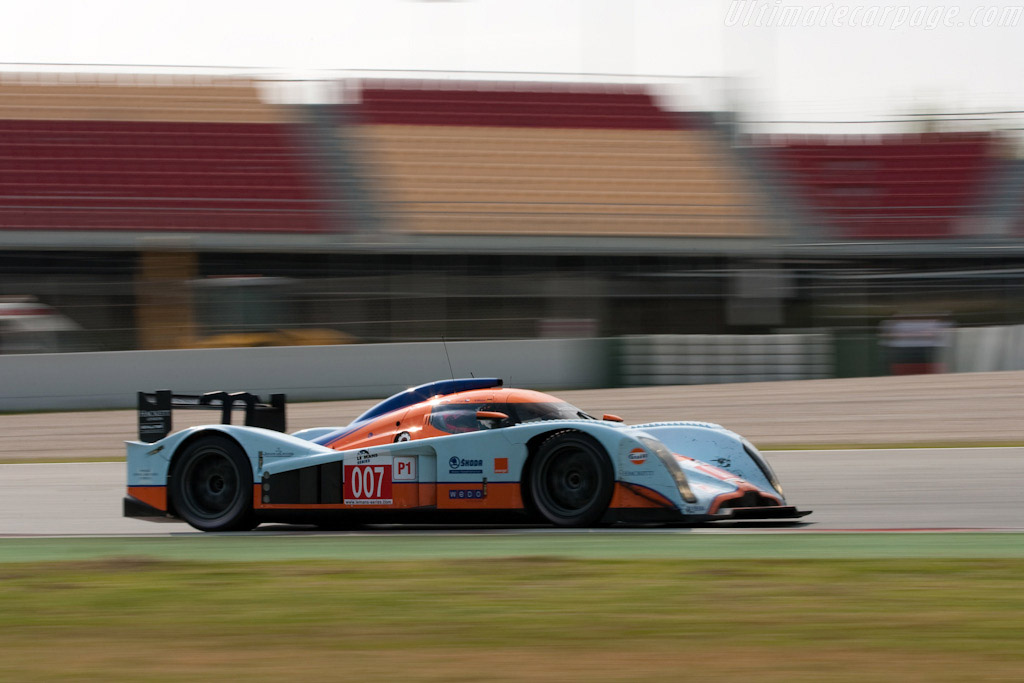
666	359
75	381
110	380
986	349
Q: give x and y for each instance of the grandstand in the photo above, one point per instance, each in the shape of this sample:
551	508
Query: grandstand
550	159
416	209
118	155
892	186
122	97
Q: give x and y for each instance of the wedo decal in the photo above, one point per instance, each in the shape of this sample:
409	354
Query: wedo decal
501	465
638	456
368	481
465	494
465	466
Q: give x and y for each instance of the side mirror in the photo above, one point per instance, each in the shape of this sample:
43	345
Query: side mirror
490	419
612	418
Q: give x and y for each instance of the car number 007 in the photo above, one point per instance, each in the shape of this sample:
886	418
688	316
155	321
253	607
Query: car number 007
363	479
368	483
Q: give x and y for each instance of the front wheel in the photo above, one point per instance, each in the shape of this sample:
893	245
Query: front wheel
211	487
571	480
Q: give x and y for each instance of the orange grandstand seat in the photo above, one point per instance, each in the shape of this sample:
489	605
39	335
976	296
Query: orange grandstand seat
550	159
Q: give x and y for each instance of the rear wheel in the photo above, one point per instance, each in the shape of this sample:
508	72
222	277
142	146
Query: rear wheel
211	487
571	480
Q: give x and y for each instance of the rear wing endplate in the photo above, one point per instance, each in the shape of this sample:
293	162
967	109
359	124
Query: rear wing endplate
155	410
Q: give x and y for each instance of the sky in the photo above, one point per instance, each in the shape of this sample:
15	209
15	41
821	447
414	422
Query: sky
778	60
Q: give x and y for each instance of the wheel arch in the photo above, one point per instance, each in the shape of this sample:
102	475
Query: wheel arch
183	445
533	445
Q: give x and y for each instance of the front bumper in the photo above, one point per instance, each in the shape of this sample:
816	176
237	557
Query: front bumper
676	517
756	513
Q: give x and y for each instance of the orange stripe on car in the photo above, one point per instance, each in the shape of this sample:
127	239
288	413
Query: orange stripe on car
632	496
154	496
477	496
403	495
739	493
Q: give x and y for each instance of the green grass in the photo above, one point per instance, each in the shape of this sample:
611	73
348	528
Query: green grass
467	545
511	619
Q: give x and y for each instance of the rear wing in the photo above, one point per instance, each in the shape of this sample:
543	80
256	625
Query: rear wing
155	408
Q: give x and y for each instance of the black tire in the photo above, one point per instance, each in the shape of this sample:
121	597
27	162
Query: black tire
211	486
571	480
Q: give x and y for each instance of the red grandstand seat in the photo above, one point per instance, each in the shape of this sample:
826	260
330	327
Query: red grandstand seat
893	187
152	175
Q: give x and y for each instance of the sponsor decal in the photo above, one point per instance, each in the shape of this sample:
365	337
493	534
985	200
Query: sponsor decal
465	494
465	465
638	456
723	462
154	423
363	457
368	481
501	465
405	468
715	472
145	474
693	509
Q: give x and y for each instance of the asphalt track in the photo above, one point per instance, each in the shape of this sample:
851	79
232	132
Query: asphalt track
885	489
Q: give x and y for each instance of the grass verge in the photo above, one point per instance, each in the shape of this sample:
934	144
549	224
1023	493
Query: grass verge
467	545
512	619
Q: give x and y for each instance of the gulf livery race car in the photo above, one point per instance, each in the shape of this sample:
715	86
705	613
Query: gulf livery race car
460	450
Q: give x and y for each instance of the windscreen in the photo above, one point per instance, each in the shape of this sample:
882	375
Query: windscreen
455	418
557	410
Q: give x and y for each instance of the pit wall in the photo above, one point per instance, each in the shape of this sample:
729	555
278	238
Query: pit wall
986	349
667	359
76	381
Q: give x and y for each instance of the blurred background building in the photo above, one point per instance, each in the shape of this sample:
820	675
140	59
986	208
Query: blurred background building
161	211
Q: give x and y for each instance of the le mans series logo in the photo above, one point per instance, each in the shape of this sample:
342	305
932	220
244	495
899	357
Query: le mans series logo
465	466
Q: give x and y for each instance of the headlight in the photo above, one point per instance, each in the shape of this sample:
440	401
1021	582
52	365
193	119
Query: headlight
766	469
672	465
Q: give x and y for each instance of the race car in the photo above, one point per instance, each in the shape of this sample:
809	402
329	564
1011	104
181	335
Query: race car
458	450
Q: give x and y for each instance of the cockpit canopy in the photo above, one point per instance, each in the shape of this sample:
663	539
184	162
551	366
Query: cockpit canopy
425	392
458	417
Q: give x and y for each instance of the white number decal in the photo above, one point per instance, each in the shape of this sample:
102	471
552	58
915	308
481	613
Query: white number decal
363	484
368	484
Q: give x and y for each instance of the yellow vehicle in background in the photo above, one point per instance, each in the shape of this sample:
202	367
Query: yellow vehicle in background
247	311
